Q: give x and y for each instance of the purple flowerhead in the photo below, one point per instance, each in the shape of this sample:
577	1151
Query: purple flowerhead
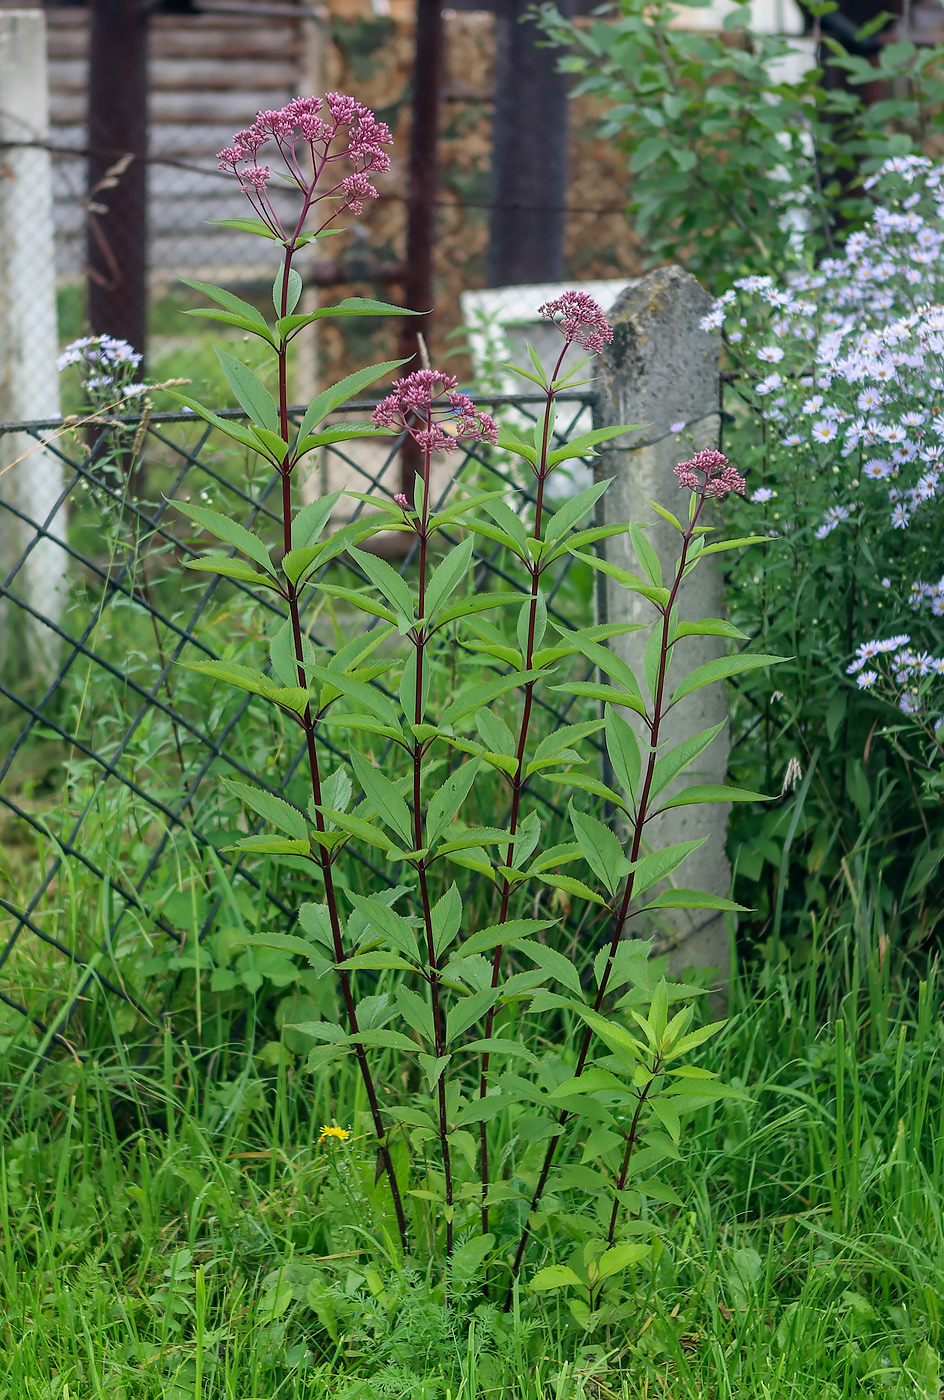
710	474
311	134
580	320
429	407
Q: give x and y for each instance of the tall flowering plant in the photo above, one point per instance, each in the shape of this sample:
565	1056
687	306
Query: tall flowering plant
473	1114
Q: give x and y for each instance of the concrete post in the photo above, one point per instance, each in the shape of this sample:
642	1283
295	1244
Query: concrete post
29	386
662	369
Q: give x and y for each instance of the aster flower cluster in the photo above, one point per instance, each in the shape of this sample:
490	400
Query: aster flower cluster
106	367
710	475
303	134
907	677
579	319
845	366
428	405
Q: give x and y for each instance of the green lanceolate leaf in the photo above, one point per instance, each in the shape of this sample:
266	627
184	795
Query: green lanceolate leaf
676	760
329	400
712	792
446	916
555	964
251	393
446	802
447	576
229	530
474	699
693	899
285	943
583	445
394	588
271	846
658	866
470	1009
622	749
228	567
416	1012
271	808
384	797
648	559
709	627
365	696
601	849
721	669
573	511
246	225
294	290
607	661
499	935
247	316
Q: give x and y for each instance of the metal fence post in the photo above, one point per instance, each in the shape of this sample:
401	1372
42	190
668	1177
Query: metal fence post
29	387
662	370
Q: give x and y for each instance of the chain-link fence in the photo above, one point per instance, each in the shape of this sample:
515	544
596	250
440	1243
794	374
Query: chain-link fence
114	822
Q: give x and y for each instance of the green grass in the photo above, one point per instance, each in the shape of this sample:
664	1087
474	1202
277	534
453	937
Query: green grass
177	1231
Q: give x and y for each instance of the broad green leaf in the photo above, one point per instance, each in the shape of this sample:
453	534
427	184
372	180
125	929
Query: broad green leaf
721	669
384	797
659	596
583	445
658	866
615	1260
646	555
228	567
622	748
446	802
508	521
377	962
293	292
251	393
606	694
555	1276
668	1116
285	943
392	926
416	1012
232	318
693	899
446	917
601	849
229	530
678	759
712	792
469	1010
394	588
329	400
384	1040
311	519
499	935
447	576
710	627
273	809
607	661
246	225
555	964
735	544
569	885
478	696
573	511
270	846
365	696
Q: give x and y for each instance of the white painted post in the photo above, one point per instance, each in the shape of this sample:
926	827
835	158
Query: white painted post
662	369
29	386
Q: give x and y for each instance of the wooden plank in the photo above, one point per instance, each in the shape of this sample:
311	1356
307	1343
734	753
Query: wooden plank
188	75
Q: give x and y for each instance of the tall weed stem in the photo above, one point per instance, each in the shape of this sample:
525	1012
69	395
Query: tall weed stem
642	816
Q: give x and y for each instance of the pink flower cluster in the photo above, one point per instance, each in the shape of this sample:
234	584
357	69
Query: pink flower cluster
579	319
428	405
717	476
304	131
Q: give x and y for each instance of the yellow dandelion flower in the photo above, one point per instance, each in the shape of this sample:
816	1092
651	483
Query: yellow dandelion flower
341	1134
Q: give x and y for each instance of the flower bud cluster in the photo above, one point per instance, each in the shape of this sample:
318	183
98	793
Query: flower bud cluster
579	319
427	405
710	475
304	133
